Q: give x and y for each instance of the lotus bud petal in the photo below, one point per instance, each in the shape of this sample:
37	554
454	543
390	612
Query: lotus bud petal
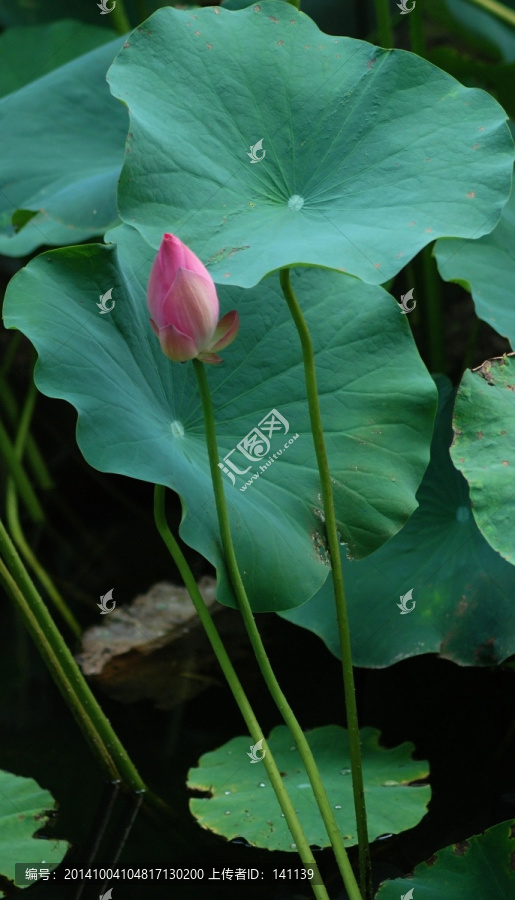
184	306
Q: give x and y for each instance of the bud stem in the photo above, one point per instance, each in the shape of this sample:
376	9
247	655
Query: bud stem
259	649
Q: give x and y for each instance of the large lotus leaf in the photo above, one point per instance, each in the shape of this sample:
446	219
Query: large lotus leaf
463	590
23	808
140	414
480	868
29	53
242	800
61	144
369	159
484	449
486	268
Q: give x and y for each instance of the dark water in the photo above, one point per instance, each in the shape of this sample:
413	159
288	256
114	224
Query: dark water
457	718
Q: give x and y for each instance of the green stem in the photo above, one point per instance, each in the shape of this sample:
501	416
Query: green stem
295	3
499	10
19	475
90	717
258	647
433	313
34	458
337	572
14	524
235	685
120	19
384	24
416	29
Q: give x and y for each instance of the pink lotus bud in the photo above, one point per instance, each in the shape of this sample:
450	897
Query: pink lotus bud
184	306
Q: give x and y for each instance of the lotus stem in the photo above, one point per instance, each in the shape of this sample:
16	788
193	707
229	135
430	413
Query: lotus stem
96	728
120	19
14	524
255	638
384	24
338	583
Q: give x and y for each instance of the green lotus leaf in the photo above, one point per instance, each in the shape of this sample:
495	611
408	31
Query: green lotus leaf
478	868
31	52
62	140
242	802
484	449
23	811
140	415
255	167
486	268
462	590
